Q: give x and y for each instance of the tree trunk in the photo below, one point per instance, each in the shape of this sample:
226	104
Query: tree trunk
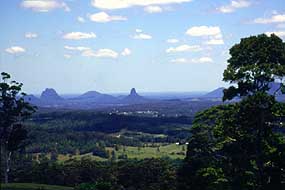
7	157
259	151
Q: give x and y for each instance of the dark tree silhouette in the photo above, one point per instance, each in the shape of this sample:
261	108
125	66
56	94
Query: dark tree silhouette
255	62
13	111
241	145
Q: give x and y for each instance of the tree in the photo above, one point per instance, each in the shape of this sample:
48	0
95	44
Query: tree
225	152
255	62
150	174
241	145
13	111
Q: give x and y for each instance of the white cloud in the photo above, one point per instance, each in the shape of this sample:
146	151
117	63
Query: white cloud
278	18
104	17
67	56
212	32
233	6
153	9
183	48
204	31
277	33
15	50
31	35
126	52
196	60
138	30
88	52
76	48
80	19
179	60
79	35
44	5
119	4
102	53
141	36
203	60
172	41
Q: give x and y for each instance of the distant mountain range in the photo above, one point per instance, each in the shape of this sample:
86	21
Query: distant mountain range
94	99
274	88
50	98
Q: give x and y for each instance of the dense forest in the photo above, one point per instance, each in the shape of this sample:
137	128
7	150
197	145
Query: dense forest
84	132
234	146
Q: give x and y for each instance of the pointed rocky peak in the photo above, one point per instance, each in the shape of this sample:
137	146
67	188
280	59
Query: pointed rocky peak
49	94
133	92
134	97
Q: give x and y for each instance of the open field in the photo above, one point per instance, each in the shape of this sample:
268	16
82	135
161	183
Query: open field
172	151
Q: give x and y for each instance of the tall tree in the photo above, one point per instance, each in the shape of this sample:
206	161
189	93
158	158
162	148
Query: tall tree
255	62
241	145
13	111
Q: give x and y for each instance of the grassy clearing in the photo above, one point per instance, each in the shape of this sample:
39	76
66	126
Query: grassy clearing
63	158
172	151
32	186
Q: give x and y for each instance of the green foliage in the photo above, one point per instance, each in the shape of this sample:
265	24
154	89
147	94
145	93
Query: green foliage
89	132
241	145
255	62
238	146
152	174
13	111
84	174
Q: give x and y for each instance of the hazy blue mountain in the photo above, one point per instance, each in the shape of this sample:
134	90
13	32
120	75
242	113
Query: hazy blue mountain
49	95
32	99
90	94
94	96
134	98
274	87
217	93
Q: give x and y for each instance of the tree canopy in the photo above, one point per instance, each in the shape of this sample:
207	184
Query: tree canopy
255	62
242	145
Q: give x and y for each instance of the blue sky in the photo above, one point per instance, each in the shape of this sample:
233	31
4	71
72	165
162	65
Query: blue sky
75	46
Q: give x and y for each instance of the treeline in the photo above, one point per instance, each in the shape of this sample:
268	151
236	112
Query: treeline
108	123
153	174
